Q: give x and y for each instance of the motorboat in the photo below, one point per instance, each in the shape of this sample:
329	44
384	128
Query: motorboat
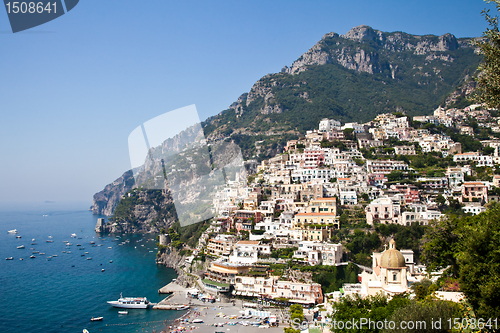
20	247
18	236
123	312
73	235
32	257
130	302
13	231
96	318
182	308
9	258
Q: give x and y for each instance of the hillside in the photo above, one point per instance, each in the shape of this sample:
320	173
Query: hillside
351	77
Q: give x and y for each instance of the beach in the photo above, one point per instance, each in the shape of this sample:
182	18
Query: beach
221	316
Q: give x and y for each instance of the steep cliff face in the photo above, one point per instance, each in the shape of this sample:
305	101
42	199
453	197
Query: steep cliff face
107	200
364	49
143	211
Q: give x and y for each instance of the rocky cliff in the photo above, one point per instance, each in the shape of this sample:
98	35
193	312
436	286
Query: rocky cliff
107	200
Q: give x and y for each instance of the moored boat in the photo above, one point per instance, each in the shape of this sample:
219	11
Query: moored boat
96	318
130	302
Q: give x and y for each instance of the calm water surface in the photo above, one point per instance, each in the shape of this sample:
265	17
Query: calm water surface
61	294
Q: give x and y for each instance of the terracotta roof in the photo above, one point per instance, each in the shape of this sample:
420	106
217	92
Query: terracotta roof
248	242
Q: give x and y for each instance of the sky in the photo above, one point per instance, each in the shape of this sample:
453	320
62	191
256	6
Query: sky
73	89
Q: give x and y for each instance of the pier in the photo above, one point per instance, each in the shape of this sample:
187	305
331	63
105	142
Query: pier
176	300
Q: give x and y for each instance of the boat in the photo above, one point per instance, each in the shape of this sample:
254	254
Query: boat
9	258
21	258
123	312
96	318
49	241
73	235
182	308
32	257
18	236
102	270
197	321
89	258
13	231
130	302
20	247
85	330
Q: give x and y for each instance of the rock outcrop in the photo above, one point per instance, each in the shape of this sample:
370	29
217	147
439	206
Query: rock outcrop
362	49
105	201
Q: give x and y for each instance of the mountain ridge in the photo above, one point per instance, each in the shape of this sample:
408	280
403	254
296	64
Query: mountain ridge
351	77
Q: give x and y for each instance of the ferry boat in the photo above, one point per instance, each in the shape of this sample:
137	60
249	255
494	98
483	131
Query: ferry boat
130	302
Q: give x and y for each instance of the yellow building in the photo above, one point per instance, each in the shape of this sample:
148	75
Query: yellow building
323	205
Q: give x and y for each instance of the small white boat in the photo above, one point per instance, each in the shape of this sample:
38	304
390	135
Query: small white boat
182	308
96	318
73	235
123	312
9	258
13	231
21	258
130	302
85	330
20	247
89	258
32	257
18	236
198	321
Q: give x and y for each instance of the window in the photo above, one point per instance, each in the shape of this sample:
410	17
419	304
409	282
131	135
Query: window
394	277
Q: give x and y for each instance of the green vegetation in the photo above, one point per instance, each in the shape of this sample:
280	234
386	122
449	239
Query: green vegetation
489	80
399	309
469	245
188	235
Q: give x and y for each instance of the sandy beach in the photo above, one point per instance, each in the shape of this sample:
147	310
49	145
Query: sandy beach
217	316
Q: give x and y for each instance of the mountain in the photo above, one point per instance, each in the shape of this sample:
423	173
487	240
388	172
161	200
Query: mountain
351	77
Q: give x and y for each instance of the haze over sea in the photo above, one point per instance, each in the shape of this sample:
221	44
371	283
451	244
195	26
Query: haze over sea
62	294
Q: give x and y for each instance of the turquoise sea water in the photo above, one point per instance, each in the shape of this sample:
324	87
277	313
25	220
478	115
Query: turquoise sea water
63	293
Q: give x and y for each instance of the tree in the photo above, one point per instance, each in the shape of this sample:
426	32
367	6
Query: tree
488	90
479	263
441	244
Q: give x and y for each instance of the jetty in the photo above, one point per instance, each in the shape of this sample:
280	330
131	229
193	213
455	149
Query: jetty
176	300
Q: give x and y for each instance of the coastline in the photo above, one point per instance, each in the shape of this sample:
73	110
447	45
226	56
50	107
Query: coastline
231	315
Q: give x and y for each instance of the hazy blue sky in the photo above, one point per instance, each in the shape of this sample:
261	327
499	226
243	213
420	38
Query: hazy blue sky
72	90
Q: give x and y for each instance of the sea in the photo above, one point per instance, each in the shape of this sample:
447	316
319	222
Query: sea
61	294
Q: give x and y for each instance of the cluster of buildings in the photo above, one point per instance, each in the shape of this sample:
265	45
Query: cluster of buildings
292	204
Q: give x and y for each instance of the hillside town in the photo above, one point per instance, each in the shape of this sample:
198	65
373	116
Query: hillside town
275	227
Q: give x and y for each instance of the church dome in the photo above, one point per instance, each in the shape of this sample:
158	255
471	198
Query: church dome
392	258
